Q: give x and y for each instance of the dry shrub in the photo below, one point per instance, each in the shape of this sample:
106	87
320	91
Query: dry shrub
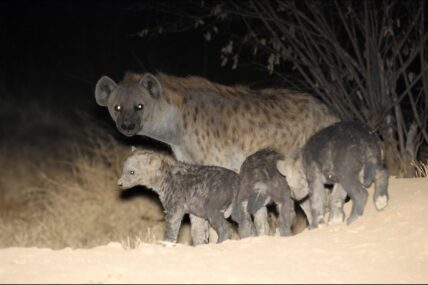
421	169
72	200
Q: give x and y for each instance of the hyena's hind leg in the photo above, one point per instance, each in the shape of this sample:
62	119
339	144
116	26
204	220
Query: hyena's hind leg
305	205
286	217
199	230
317	196
243	218
257	201
380	197
357	193
220	225
261	221
336	201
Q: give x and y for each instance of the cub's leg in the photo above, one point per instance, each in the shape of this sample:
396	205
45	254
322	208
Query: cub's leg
286	217
317	196
173	223
220	225
261	221
336	201
199	230
381	196
246	226
357	193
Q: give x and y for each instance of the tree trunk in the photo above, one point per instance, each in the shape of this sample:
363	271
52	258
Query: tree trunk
391	154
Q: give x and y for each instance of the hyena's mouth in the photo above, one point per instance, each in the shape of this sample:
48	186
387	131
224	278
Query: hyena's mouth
128	130
129	133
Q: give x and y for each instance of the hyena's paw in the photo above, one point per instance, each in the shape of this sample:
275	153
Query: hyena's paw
316	225
336	218
166	243
381	202
352	218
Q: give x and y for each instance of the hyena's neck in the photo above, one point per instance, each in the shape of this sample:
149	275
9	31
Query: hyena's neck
164	124
164	186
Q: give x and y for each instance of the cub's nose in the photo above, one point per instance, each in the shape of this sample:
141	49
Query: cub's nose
119	183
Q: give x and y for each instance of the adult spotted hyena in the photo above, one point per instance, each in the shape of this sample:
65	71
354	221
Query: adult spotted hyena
211	124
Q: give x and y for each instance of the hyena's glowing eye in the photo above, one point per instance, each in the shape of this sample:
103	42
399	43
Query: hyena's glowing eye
118	108
132	172
139	107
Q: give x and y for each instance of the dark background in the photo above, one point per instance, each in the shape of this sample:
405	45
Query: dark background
55	51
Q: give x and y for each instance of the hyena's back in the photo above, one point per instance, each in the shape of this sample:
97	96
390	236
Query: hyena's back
224	125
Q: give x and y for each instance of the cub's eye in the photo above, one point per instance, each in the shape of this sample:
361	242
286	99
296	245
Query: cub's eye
132	172
139	107
118	108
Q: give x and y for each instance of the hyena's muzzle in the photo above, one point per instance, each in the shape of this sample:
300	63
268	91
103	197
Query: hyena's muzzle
128	122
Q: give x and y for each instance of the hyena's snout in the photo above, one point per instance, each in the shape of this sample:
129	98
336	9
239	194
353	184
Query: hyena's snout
120	183
128	125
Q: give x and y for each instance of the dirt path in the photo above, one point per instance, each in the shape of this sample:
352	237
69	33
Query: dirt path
382	247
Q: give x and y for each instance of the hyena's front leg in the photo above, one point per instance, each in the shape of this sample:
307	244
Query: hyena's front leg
173	223
199	230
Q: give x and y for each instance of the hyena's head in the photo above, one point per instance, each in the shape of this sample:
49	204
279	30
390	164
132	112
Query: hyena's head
292	169
141	168
130	103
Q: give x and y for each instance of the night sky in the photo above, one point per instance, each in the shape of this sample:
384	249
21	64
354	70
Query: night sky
59	49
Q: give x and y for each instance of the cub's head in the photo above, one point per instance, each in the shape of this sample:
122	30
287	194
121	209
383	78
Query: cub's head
130	103
292	169
141	168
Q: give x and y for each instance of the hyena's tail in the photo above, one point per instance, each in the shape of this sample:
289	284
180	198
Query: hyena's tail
228	212
381	197
234	212
368	174
258	198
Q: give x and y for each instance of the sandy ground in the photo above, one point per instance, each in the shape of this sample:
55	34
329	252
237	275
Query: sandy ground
390	246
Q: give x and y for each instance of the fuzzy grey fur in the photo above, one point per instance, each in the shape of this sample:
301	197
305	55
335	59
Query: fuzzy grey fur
348	155
203	191
260	184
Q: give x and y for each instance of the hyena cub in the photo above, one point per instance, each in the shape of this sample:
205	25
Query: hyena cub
260	184
347	155
203	191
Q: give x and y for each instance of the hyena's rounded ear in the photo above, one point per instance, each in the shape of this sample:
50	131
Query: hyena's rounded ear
283	167
133	148
103	89
152	85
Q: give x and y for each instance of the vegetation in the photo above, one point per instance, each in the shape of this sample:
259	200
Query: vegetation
58	186
367	60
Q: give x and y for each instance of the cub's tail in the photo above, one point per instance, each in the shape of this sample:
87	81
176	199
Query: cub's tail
258	198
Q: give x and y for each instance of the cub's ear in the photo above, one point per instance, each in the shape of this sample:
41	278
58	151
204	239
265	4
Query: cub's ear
151	84
103	89
133	148
283	167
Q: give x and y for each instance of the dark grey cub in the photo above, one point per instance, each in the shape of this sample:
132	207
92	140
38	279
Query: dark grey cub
260	184
348	155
